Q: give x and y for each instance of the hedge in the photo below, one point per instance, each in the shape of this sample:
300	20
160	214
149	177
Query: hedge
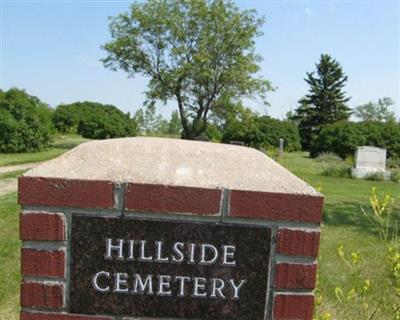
344	137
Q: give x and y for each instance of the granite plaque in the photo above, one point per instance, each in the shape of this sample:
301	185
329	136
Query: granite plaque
164	269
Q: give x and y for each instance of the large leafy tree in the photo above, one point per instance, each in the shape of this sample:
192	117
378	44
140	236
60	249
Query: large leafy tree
376	111
326	101
199	53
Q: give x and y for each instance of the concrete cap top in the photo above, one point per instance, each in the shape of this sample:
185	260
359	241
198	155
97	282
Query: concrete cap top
173	162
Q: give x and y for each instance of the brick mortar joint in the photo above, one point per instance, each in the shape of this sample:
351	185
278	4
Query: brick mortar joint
44	280
45	246
295	260
294	292
271	276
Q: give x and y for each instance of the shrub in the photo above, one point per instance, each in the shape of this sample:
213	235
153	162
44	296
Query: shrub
344	137
341	138
274	129
393	163
94	120
337	170
376	176
262	131
25	122
66	116
395	175
328	157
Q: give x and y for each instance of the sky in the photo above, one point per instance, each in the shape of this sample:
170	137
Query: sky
52	49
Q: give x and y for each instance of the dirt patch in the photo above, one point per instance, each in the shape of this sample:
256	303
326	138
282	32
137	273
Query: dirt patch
17	167
8	185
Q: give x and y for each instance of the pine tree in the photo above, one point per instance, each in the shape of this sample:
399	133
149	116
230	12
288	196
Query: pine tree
325	103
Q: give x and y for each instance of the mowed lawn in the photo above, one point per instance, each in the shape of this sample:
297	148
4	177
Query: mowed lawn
343	223
60	145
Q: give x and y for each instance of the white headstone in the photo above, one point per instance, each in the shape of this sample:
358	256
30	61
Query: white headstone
370	160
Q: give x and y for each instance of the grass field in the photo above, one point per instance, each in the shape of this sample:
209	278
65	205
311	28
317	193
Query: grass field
343	223
9	257
59	146
9	224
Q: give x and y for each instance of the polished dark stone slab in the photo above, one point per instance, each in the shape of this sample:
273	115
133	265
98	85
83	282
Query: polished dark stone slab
252	250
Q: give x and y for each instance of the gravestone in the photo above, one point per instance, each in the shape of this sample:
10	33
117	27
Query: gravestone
281	146
149	228
369	161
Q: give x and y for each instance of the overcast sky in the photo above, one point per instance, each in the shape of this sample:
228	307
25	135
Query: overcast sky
52	49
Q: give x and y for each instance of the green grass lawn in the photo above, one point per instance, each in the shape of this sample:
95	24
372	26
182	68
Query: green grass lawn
9	224
60	145
343	223
9	257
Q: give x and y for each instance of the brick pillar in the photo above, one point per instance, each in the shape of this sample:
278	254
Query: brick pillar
49	204
44	232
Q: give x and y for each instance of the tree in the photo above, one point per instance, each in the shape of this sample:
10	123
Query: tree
326	101
174	124
378	111
343	138
149	122
66	117
94	120
259	131
25	122
200	53
238	123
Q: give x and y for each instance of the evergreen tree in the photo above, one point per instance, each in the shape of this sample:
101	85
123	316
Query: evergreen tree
326	101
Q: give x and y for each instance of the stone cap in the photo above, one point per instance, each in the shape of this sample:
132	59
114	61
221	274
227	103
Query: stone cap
173	162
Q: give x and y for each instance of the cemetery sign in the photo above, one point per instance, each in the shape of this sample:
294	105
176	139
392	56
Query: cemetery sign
168	269
150	228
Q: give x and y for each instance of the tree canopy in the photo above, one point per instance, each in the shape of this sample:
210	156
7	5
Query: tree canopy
94	120
25	122
199	53
325	103
258	131
376	111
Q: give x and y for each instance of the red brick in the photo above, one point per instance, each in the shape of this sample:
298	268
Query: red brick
275	206
42	226
58	316
65	193
42	263
298	242
295	276
158	198
293	307
40	295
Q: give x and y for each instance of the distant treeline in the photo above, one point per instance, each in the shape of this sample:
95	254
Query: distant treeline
27	124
